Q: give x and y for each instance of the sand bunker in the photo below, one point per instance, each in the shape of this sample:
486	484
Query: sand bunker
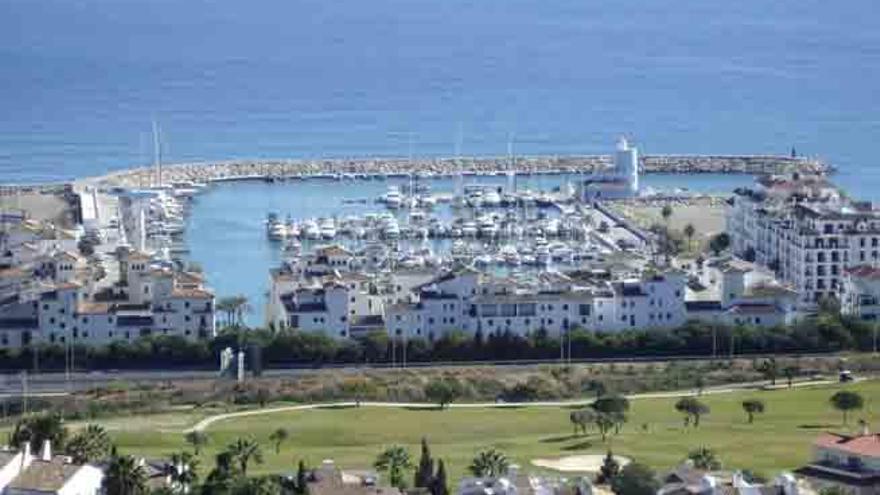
589	463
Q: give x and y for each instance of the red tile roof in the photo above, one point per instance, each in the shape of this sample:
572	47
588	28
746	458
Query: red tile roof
866	445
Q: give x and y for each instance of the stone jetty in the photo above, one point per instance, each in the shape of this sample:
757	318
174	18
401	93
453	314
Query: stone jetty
372	167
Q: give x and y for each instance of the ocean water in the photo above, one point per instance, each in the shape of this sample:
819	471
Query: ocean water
81	81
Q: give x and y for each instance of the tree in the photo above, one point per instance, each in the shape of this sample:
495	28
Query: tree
846	401
581	419
704	458
770	370
222	478
719	243
89	445
597	387
693	410
182	471
439	485
262	485
124	476
37	429
790	372
635	479
425	469
443	391
666	213
242	452
489	464
234	307
197	439
613	406
278	437
752	407
689	232
302	481
609	470
394	460
604	423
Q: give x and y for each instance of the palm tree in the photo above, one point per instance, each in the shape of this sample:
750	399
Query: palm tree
197	439
89	445
489	464
666	213
752	407
226	305
243	451
37	429
182	470
689	232
278	437
395	460
124	476
240	307
705	458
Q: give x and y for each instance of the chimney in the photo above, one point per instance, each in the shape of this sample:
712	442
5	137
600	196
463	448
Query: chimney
46	451
866	428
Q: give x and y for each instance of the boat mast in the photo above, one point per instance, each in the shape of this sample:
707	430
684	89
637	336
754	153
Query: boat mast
157	153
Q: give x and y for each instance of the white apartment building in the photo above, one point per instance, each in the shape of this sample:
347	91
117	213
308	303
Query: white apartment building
146	299
860	296
737	292
469	301
806	232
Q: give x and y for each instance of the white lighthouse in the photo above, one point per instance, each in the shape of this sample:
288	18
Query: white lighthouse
621	182
626	164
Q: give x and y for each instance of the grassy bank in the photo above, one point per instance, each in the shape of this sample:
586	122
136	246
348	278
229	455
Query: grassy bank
779	439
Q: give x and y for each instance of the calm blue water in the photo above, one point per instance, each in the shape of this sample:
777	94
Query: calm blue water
81	81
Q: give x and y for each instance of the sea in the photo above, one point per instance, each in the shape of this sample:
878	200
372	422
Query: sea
81	83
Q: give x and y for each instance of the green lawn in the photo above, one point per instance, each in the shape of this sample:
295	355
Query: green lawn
779	439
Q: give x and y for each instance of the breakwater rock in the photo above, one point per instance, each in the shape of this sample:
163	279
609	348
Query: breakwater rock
291	169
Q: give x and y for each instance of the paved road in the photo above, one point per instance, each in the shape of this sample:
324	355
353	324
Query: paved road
207	422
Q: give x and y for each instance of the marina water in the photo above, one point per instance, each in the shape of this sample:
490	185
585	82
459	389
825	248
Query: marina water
227	236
